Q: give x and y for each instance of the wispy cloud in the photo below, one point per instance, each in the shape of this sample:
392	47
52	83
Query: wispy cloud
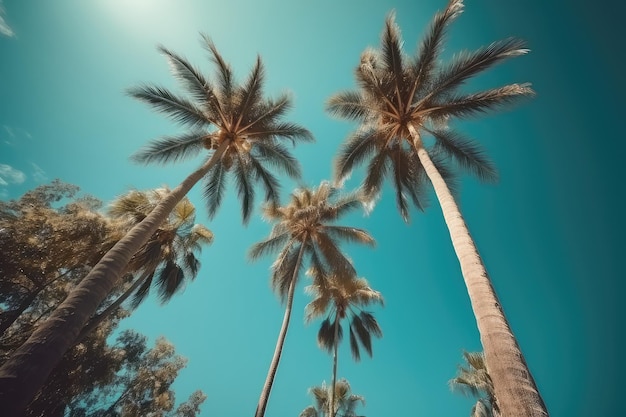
10	175
11	135
5	29
39	175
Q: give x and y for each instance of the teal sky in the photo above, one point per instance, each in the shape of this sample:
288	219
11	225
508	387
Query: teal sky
550	231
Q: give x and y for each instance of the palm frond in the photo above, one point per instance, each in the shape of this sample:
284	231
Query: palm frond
285	269
371	324
245	190
354	345
359	146
333	256
326	335
285	130
377	169
468	64
350	105
268	246
466	153
250	93
269	181
362	333
225	72
482	102
350	234
171	148
279	157
214	187
142	292
170	280
164	101
191	264
190	77
392	51
432	45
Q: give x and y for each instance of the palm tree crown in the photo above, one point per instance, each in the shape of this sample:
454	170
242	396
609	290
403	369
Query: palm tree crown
473	379
337	298
308	223
343	401
170	255
221	113
399	94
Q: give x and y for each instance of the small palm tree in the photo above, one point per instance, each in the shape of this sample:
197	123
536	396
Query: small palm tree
304	229
401	103
474	380
339	298
241	133
167	260
339	399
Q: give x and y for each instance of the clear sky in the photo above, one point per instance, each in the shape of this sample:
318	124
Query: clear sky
550	231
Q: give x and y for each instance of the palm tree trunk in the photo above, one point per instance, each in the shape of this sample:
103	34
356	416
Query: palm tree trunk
514	387
23	374
96	320
269	381
335	348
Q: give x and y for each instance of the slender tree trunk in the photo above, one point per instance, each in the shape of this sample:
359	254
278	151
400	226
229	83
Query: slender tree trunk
269	381
514	387
13	315
96	320
334	383
26	370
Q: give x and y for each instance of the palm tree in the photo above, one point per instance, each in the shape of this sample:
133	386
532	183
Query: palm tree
400	103
340	399
167	260
339	297
473	379
303	229
240	130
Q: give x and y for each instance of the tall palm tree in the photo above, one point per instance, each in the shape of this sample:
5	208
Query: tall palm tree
401	102
240	130
340	399
304	230
167	260
339	298
473	379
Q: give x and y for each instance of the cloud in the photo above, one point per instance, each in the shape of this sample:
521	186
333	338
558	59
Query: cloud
4	27
10	175
12	135
39	175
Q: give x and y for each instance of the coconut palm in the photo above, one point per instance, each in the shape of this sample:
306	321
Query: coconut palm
474	380
304	230
339	298
168	260
341	400
403	104
241	133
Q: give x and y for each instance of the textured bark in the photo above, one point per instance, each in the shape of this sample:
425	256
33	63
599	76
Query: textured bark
269	381
27	369
96	320
514	387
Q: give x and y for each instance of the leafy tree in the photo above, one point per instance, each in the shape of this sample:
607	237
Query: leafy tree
304	229
142	387
168	259
34	254
35	229
340	298
473	379
239	129
341	399
401	102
